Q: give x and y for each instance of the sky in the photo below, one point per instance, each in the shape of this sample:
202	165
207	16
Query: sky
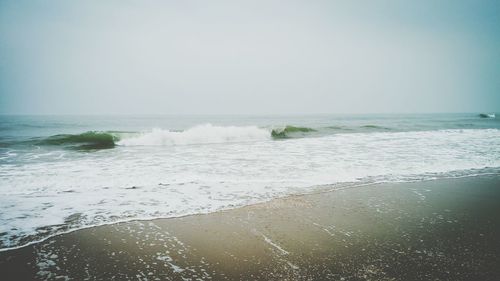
249	57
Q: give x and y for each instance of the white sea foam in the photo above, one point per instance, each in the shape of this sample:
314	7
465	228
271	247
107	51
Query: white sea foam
140	180
201	134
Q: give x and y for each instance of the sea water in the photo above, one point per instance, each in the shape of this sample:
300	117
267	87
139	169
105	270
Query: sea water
61	173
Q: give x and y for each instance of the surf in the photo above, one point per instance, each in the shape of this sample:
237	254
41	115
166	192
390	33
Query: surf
201	134
140	180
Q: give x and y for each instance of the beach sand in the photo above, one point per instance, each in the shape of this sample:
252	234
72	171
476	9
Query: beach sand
434	230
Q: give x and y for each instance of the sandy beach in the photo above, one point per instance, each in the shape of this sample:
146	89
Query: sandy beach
249	140
434	230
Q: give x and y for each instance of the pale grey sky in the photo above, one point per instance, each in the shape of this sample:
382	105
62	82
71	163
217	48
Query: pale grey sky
256	57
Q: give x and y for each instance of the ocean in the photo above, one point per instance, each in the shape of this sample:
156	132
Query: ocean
62	173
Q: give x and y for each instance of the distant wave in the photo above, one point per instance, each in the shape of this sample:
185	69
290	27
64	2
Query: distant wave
288	131
375	127
487	115
337	128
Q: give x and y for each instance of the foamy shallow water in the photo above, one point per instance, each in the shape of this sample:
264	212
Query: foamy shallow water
162	173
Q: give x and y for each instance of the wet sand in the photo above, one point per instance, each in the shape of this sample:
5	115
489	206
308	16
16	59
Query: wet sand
434	230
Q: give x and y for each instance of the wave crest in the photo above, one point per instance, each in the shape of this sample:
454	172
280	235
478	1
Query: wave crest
202	134
287	131
84	141
487	115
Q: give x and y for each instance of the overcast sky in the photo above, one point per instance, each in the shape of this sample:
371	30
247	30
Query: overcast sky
256	57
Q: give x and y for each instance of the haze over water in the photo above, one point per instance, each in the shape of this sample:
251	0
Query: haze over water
252	57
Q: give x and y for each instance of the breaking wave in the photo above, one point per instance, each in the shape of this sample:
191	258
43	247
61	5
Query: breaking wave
202	134
487	115
290	131
84	141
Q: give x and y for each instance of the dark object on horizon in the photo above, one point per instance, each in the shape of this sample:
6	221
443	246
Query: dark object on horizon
487	115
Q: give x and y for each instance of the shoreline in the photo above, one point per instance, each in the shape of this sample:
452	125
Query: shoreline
319	189
286	238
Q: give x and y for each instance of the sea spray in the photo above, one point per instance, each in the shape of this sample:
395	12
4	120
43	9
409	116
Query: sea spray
202	134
